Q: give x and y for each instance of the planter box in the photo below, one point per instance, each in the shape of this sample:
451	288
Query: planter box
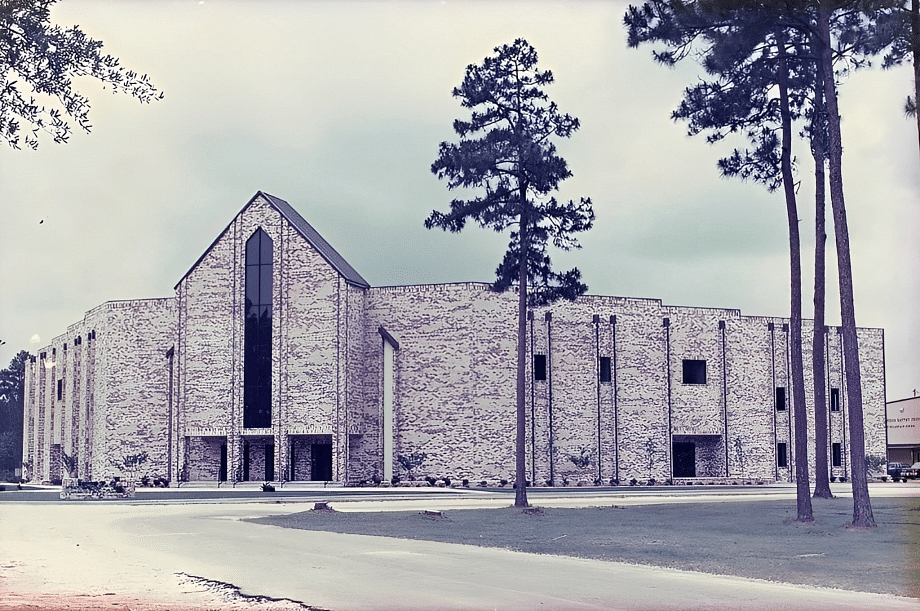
73	489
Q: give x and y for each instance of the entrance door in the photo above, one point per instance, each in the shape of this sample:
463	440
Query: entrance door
684	459
246	462
321	462
293	462
222	474
270	462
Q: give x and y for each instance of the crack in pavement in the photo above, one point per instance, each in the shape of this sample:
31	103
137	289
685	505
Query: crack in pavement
232	594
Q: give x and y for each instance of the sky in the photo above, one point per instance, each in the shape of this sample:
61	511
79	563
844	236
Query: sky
338	108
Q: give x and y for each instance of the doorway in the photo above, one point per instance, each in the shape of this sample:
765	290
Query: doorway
270	462
321	462
222	473
684	459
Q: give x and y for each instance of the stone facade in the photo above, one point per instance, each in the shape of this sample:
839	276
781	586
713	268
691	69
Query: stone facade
361	377
99	393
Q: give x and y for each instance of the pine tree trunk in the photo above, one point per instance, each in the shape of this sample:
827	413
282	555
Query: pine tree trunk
915	50
803	492
862	507
520	471
822	480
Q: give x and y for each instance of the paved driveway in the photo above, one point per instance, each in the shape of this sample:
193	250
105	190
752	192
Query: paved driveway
135	552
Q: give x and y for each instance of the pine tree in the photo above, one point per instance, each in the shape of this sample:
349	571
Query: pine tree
757	89
862	507
506	154
817	135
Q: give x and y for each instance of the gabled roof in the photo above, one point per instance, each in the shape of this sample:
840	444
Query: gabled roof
306	230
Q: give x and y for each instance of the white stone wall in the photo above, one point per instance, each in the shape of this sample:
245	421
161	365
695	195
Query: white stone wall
311	337
456	375
452	368
112	372
454	380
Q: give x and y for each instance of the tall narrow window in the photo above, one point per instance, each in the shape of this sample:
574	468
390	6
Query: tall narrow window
605	369
60	389
781	455
835	452
539	367
780	398
835	399
257	357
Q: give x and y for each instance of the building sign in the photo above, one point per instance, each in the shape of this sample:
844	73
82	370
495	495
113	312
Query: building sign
904	422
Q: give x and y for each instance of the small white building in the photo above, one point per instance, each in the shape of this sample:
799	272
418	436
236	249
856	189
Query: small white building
276	360
904	430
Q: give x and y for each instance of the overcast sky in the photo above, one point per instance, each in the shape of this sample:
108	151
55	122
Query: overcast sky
338	108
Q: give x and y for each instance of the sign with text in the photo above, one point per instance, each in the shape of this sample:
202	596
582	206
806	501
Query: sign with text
904	422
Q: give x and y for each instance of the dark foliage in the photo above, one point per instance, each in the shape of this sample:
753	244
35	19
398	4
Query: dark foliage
506	155
505	149
12	380
38	58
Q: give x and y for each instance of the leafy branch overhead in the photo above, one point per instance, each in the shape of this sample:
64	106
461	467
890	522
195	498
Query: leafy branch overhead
40	59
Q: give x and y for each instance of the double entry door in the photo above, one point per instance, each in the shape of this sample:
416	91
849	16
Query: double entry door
268	454
320	462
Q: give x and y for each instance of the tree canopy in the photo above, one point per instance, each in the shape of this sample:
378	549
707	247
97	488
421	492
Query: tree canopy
768	57
12	380
38	58
506	149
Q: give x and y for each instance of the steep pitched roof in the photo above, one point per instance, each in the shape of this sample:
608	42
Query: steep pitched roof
306	230
316	240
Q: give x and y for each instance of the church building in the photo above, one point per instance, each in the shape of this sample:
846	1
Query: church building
276	361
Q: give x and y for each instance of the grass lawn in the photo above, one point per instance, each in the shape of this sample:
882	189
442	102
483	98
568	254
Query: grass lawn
757	539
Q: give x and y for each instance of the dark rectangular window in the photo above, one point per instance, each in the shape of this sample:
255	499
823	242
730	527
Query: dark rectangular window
270	462
835	454
605	369
257	340
539	367
780	398
694	372
60	389
222	471
835	399
781	455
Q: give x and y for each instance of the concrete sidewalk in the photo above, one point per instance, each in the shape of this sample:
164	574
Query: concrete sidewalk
136	551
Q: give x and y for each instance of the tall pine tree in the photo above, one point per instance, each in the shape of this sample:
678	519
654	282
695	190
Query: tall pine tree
506	154
756	90
843	30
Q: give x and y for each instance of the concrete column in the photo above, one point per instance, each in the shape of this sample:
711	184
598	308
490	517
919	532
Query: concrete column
389	354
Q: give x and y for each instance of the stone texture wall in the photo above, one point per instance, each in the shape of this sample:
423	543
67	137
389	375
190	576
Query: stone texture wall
452	368
454	380
749	404
362	410
111	371
315	321
456	374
